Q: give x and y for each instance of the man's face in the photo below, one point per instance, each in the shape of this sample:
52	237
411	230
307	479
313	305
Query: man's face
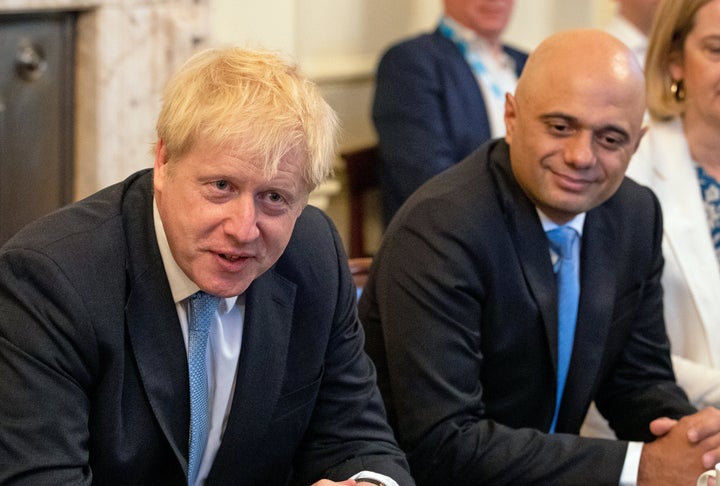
488	18
225	220
571	140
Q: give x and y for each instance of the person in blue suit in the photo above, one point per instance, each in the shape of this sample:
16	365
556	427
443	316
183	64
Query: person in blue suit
97	304
440	95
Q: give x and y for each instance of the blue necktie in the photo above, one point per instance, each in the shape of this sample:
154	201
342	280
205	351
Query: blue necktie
201	312
562	241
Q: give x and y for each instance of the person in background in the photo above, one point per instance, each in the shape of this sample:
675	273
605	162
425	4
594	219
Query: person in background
196	323
524	282
631	24
679	159
440	95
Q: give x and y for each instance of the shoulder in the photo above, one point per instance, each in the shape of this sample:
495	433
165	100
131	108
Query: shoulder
93	221
313	227
662	151
315	246
632	198
424	49
518	55
632	216
442	205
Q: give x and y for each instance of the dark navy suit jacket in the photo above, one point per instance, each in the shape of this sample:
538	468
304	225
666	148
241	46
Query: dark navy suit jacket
428	111
94	371
460	312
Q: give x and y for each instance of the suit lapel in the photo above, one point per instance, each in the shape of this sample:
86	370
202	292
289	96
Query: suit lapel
526	231
152	322
159	351
269	307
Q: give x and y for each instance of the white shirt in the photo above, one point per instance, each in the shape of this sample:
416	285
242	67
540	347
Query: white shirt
223	351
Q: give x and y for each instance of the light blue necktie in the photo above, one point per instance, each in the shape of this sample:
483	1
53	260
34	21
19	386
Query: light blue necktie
563	241
201	313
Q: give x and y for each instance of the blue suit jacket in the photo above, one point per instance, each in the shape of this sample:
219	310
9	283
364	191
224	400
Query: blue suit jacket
94	369
460	311
428	111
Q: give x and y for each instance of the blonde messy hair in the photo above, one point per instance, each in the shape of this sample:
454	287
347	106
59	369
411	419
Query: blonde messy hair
253	101
674	20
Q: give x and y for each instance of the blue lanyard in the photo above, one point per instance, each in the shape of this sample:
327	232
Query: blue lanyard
473	59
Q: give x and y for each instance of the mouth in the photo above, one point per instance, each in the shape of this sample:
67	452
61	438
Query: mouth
575	184
230	258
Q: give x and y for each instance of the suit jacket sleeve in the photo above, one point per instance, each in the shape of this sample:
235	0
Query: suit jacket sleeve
348	431
46	360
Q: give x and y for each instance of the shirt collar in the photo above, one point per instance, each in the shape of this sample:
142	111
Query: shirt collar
465	34
576	223
180	284
475	43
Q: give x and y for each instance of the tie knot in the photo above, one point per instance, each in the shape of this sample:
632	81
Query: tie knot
202	310
562	240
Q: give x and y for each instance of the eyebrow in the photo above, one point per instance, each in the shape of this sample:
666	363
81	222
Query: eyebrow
572	120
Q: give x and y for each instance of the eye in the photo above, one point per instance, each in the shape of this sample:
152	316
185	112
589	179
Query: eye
713	48
274	197
222	185
611	141
558	127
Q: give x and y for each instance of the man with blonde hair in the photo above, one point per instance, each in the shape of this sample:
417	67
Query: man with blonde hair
196	323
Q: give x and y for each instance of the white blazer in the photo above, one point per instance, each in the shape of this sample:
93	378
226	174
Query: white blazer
691	277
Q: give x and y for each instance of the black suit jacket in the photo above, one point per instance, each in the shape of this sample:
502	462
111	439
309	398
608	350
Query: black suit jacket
94	370
429	113
461	317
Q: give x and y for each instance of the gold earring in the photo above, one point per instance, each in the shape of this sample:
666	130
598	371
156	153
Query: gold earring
677	88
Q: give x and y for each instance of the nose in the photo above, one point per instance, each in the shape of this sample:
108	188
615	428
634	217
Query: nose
241	221
580	150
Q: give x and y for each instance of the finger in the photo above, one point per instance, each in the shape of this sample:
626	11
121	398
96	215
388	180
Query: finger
703	424
662	426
